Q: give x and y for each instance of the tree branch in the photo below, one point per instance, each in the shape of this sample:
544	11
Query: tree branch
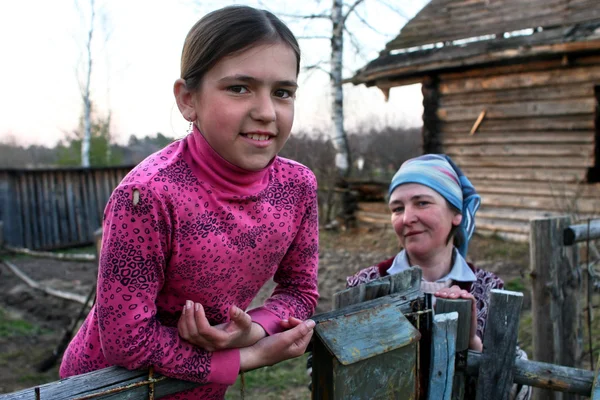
299	16
394	9
313	37
317	67
352	7
361	19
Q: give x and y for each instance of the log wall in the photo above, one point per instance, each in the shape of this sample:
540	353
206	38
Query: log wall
55	208
531	153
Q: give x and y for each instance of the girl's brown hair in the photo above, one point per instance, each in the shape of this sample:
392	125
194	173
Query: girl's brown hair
226	31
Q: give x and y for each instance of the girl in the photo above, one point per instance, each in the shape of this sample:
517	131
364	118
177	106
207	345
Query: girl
194	231
433	208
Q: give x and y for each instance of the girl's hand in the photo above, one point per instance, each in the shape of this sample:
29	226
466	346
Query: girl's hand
290	323
455	292
194	327
279	347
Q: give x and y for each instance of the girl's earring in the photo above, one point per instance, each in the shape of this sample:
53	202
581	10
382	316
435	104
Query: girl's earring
190	127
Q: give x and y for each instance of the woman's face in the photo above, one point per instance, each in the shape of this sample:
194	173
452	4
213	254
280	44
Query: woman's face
245	105
422	219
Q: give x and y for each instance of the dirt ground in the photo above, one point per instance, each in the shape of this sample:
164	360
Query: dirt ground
22	348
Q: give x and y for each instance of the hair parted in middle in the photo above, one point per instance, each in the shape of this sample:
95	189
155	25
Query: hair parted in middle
227	31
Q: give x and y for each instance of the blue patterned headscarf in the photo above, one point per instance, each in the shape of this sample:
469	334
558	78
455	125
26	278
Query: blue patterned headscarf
438	172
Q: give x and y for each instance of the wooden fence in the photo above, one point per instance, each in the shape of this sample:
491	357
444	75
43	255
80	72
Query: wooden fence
558	291
496	367
555	293
45	209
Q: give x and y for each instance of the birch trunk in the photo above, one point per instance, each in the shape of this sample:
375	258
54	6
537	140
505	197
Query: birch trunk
340	141
87	105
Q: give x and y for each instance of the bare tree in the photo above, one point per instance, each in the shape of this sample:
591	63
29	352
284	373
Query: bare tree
339	16
85	95
89	18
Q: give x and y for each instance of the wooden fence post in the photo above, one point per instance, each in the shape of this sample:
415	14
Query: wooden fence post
556	289
463	333
443	356
496	372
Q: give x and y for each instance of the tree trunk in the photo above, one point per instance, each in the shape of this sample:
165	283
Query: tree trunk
87	105
340	142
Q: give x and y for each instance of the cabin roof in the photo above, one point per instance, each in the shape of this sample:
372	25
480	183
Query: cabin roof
454	34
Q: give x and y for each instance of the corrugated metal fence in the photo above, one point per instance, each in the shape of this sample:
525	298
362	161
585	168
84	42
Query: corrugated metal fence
55	208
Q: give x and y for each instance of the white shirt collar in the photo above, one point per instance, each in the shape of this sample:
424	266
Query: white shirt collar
460	272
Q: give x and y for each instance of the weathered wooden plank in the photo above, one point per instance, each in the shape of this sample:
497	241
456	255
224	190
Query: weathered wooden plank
501	225
463	334
566	175
84	207
46	210
550	108
555	291
422	64
596	386
545	124
351	339
540	161
376	289
463	308
443	351
26	219
566	205
71	207
496	373
543	375
83	230
347	297
515	214
550	189
563	76
575	60
15	222
34	210
516	95
103	381
94	218
582	232
408	280
537	138
101	194
41	215
552	149
63	221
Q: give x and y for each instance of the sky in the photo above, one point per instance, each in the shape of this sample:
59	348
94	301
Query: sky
136	54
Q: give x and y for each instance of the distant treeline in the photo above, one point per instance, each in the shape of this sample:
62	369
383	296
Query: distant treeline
379	152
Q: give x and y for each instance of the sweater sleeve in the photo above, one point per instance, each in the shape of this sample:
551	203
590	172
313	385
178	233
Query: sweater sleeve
486	281
135	250
296	293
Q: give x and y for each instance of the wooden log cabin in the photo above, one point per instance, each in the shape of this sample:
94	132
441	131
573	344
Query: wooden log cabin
510	92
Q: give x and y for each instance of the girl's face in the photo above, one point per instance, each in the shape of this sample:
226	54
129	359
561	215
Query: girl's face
245	104
422	219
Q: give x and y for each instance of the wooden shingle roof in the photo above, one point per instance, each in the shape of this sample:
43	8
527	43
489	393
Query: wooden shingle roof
446	20
428	44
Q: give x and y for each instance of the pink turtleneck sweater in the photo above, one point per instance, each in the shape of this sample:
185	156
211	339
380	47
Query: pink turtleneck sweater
204	230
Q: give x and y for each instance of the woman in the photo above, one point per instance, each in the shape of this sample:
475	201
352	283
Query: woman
433	209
